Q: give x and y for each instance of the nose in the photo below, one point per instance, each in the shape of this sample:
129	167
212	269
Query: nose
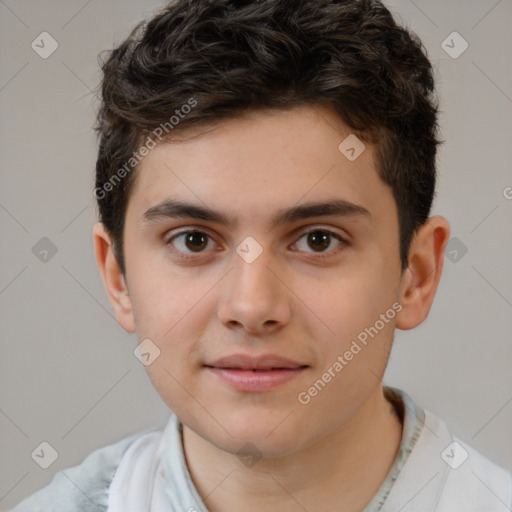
254	298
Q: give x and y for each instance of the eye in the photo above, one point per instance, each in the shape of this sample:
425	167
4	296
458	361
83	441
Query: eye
190	242
319	240
198	242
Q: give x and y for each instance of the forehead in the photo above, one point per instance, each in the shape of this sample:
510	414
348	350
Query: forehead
255	165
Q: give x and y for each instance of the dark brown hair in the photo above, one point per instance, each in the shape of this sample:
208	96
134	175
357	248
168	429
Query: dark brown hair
221	58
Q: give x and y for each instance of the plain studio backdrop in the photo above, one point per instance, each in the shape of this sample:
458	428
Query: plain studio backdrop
68	373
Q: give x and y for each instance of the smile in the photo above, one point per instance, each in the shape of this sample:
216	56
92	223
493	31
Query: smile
255	374
253	381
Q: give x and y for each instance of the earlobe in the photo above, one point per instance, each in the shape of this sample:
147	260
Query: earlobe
420	280
113	278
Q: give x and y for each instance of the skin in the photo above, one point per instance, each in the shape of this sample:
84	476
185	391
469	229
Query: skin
294	299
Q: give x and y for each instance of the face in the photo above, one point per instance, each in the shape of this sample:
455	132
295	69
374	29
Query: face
259	241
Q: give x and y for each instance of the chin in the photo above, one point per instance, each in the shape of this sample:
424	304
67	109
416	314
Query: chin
270	437
258	445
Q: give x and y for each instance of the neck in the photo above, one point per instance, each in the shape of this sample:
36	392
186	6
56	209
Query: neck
342	471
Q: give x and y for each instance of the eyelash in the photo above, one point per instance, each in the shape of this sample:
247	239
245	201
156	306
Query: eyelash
317	255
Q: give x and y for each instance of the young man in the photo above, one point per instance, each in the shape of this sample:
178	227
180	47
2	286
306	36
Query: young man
265	176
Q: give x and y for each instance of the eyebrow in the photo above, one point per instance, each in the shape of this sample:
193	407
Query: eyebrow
171	208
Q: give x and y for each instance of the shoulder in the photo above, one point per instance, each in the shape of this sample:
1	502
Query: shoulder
474	482
468	480
84	487
441	472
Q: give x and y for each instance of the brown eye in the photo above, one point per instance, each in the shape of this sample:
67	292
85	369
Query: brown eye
319	240
190	241
196	241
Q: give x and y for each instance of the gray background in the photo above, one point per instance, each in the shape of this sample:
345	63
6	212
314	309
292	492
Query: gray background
67	371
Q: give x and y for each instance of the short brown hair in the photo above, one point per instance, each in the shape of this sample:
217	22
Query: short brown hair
231	56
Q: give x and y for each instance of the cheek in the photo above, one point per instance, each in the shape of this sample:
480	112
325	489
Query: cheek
163	299
174	322
353	361
172	311
352	301
358	308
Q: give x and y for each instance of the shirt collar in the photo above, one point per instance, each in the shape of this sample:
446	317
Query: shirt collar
183	494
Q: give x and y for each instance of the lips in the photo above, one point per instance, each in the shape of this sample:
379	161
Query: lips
260	363
255	374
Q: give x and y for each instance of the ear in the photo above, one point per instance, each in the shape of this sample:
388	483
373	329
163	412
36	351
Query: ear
421	278
113	278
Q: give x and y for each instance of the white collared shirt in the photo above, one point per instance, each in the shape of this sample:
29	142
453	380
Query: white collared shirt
433	471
